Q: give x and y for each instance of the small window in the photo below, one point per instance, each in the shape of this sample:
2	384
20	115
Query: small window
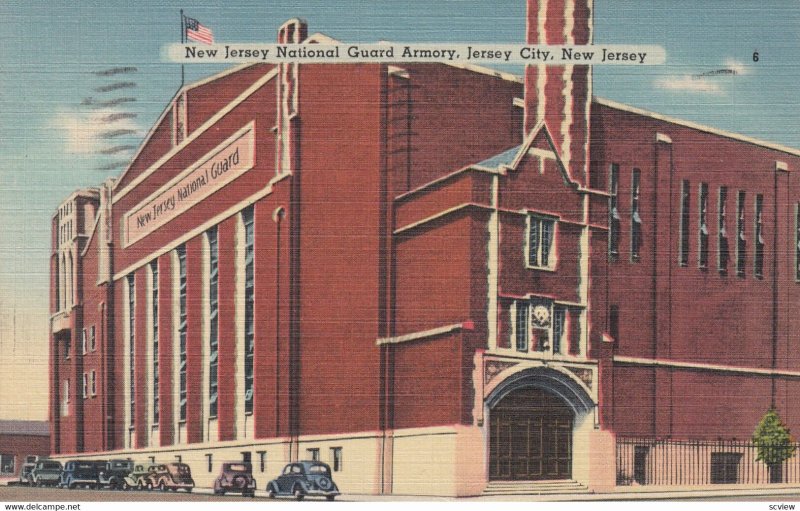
725	467
684	240
210	461
313	454
65	399
522	335
559	328
541	233
7	464
636	219
703	229
85	385
336	459
94	383
262	459
613	212
613	322
741	241
92	339
67	346
84	343
758	263
723	250
247	457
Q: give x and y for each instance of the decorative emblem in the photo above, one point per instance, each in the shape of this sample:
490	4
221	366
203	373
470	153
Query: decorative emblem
495	367
584	374
541	316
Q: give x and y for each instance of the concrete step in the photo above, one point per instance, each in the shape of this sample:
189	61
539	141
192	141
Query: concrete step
554	487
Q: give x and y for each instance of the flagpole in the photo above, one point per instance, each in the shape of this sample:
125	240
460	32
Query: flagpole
183	41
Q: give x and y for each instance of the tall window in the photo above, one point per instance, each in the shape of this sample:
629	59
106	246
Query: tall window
559	326
636	219
759	238
213	314
685	202
154	295
613	211
703	250
94	382
84	342
249	296
181	251
85	385
131	347
723	250
92	339
741	242
336	459
523	313
65	399
541	232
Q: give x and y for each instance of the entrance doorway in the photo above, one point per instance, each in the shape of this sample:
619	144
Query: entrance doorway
530	437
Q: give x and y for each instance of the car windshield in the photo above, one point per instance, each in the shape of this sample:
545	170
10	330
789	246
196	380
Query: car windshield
238	467
318	469
53	465
181	469
120	464
85	465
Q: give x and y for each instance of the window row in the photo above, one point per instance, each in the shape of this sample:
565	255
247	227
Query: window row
542	326
89	389
335	458
722	234
210	313
615	218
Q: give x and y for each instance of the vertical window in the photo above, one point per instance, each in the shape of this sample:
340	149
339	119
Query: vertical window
724	254
559	327
741	242
213	311
247	457
7	464
131	348
85	385
262	459
636	219
249	299
65	399
758	267
67	345
797	241
92	339
313	454
523	312
94	383
613	212
542	321
84	344
210	460
613	322
541	232
703	244
684	240
181	251
336	459
154	295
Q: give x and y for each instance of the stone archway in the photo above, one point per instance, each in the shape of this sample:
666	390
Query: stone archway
532	416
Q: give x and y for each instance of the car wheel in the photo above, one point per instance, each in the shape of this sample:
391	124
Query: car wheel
140	485
125	486
330	497
39	483
188	490
271	493
298	493
162	486
149	485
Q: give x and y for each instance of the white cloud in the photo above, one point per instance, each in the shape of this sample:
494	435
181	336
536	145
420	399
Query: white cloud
689	84
82	132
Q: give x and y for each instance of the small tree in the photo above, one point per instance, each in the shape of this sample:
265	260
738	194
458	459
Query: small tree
774	444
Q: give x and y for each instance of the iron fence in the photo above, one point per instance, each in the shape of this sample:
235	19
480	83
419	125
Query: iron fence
648	461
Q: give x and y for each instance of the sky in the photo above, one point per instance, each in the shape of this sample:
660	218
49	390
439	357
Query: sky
67	121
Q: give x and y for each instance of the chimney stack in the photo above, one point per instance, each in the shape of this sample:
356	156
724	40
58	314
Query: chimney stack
561	95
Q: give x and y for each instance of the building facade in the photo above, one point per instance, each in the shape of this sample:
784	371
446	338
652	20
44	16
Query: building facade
430	276
18	440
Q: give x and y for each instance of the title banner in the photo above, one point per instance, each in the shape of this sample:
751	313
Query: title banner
627	55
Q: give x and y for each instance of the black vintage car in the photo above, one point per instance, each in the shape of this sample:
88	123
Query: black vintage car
237	478
80	473
304	478
45	473
113	473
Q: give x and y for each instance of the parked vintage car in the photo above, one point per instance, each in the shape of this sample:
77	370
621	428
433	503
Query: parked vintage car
138	477
113	473
45	473
79	473
25	473
304	478
170	476
237	478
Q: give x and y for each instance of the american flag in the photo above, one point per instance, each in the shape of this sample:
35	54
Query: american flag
197	32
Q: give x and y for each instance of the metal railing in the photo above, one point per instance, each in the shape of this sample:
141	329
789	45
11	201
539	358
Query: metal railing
669	462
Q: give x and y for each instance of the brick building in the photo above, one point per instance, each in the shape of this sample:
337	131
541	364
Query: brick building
19	439
430	276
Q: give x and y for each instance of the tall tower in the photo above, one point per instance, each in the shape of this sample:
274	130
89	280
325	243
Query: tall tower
561	95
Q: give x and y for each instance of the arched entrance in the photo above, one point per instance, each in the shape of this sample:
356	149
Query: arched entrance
533	415
531	437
